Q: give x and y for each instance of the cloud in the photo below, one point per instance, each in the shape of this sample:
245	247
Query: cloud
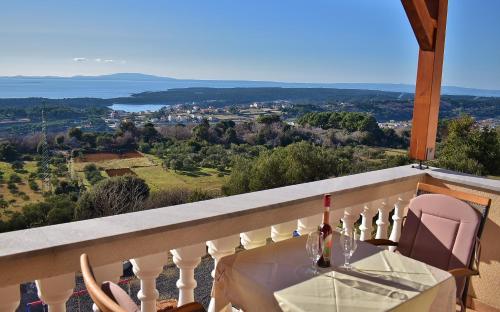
99	60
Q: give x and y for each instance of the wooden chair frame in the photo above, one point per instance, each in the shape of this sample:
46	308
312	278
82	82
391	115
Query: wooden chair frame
106	304
475	201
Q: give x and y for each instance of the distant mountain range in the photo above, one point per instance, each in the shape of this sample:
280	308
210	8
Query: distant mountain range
125	84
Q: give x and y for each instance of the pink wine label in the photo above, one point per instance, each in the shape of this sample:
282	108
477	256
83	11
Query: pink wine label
327	247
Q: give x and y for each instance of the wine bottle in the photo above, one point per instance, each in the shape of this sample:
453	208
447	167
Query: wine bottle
325	231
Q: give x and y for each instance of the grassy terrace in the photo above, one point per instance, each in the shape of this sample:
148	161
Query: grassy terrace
16	200
148	167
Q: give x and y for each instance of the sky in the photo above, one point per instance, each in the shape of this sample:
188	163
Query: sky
278	40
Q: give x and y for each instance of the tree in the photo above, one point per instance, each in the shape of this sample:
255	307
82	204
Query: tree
470	149
293	164
67	187
230	136
149	133
33	185
200	132
104	141
113	196
17	165
268	119
176	164
8	152
92	173
60	139
127	126
56	209
75	133
89	138
14	178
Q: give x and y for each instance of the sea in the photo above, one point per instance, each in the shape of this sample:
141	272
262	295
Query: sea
57	88
137	108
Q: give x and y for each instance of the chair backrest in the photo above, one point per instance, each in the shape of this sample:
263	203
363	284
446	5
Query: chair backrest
441	228
107	295
480	203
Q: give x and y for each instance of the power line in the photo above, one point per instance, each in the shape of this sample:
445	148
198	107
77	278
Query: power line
45	160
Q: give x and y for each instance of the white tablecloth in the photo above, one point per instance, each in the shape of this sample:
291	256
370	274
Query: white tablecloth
273	278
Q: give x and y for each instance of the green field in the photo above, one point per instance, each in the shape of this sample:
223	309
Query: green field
395	152
149	168
116	163
158	178
6	168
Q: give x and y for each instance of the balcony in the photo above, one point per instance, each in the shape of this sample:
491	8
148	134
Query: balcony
50	255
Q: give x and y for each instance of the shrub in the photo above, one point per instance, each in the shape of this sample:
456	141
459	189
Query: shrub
33	185
164	198
14	178
113	196
92	173
176	196
12	188
17	165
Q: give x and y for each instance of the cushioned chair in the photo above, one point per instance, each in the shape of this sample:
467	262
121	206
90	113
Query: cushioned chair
442	228
109	297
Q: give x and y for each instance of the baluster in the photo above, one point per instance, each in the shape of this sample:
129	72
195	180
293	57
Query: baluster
10	298
397	217
351	215
366	226
254	239
107	273
217	249
147	269
335	217
186	259
221	247
309	224
283	231
383	218
56	290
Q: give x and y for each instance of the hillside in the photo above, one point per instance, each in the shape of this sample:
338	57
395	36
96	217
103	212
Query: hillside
383	105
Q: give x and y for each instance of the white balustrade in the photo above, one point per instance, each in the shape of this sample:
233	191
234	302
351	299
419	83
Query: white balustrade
398	216
147	269
336	217
254	239
187	259
309	224
222	247
283	231
9	298
56	290
351	215
346	191
107	273
217	249
382	222
366	227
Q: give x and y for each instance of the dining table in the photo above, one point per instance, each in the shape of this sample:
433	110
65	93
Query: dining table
277	277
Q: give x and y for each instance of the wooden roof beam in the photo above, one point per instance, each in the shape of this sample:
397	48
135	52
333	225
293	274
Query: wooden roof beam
421	20
428	86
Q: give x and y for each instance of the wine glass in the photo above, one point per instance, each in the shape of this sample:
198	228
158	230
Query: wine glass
314	248
348	244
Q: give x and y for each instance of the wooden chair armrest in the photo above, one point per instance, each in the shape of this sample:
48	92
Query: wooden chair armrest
463	272
381	242
190	307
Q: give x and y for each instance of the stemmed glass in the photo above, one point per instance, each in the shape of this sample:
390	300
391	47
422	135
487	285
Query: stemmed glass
314	248
348	244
